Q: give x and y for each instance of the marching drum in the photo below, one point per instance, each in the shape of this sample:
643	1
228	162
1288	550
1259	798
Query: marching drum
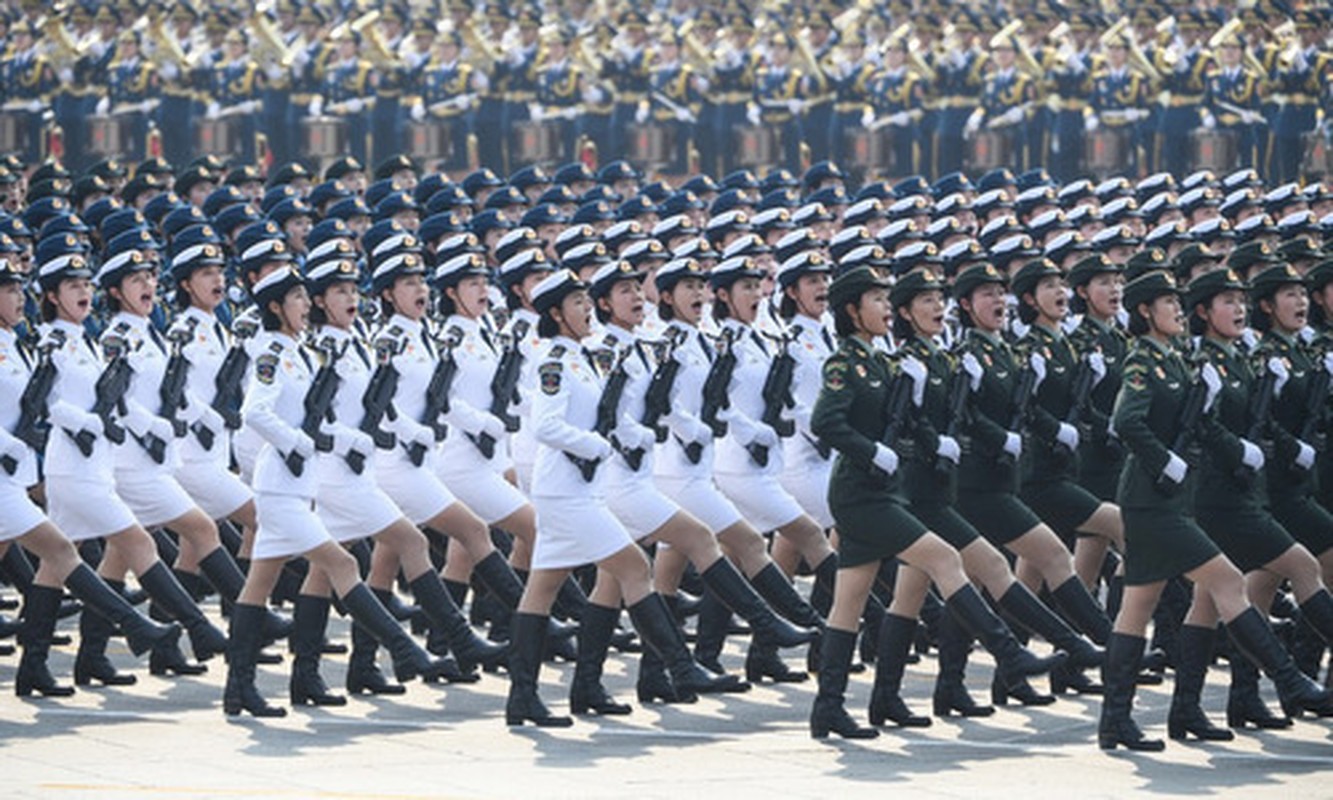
650	145
219	137
428	140
109	136
12	128
324	137
756	146
990	150
1213	150
1318	159
536	142
870	151
1106	150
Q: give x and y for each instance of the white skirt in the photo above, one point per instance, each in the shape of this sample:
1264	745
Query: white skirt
476	482
575	531
809	485
698	495
352	511
637	503
415	490
84	509
213	488
760	498
18	514
288	526
155	498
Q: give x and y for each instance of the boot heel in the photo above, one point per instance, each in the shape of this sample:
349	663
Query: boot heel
1177	731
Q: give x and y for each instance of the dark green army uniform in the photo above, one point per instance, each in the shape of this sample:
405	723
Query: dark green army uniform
1291	488
1100	455
1161	539
1322	343
868	506
1230	498
988	476
1050	472
932	487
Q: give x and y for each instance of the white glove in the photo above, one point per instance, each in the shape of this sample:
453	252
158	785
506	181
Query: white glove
765	436
594	95
162	429
1067	435
1175	469
1279	371
604	449
886	459
684	115
492	426
212	420
103	106
1251	117
914	369
316	108
213	111
1136	114
1213	382
418	111
901	120
631	434
535	112
1013	444
35	105
752	114
1097	363
796	106
1304	455
303	445
973	123
641	115
973	369
948	448
75	419
1038	364
346	439
1209	121
1250	455
354	105
274	72
1091	123
13	449
867	118
1299	63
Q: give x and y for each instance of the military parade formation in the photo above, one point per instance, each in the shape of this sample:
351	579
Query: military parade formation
520	335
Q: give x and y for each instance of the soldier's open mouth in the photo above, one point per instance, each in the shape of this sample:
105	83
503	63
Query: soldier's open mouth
421	304
822	297
351	310
216	293
637	308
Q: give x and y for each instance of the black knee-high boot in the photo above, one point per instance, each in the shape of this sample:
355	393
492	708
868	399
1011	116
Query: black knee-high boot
221	570
526	644
886	703
1256	641
438	605
240	693
829	714
658	629
653	683
1119	674
363	673
951	695
409	659
205	639
41	604
310	617
105	610
586	692
1244	705
711	632
1014	661
1186	717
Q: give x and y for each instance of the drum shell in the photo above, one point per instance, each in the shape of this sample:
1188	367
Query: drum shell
650	144
1213	150
536	142
108	136
217	136
428	140
12	129
990	150
324	137
869	150
756	146
1106	150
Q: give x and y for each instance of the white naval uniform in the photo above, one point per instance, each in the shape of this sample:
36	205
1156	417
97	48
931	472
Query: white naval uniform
522	330
408	345
351	506
690	484
18	514
806	471
477	481
147	487
206	473
574	525
755	490
274	408
632	494
246	443
80	490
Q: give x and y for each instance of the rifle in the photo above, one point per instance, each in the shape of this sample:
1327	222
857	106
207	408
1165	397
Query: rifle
227	393
32	404
1191	412
1081	399
1022	403
608	411
111	387
377	403
960	386
897	406
504	392
437	400
777	397
318	406
1257	413
171	393
716	385
657	399
1316	408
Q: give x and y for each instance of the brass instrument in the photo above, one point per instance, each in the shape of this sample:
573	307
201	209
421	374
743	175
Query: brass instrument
267	35
480	48
377	50
1026	61
808	55
914	54
1233	26
1112	32
65	50
1291	44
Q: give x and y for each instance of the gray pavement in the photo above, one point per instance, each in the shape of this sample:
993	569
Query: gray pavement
168	738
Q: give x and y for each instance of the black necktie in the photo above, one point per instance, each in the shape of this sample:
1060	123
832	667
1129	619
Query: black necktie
23	353
827	337
705	346
487	338
157	338
221	333
361	351
89	343
425	339
592	362
759	340
306	358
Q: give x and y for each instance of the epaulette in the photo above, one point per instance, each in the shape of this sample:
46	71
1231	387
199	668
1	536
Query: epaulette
275	346
453	336
521	327
114	346
556	352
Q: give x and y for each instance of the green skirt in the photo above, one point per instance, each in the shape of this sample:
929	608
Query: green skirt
873	523
1000	516
1162	544
1248	535
1062	504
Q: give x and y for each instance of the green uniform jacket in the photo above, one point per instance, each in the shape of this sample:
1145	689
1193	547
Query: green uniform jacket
849	413
1147	413
1285	479
1046	460
923	483
986	467
1223	481
1101	455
